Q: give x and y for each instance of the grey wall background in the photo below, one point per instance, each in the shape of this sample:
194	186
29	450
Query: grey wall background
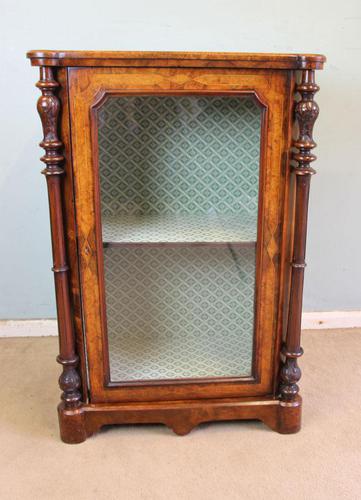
334	272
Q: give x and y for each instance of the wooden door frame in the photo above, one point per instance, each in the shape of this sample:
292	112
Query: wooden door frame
88	88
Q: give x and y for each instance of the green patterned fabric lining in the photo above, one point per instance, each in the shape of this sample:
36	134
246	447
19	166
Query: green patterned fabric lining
179	169
179	312
193	155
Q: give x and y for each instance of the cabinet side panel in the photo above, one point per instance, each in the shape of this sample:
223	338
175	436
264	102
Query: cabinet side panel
70	228
288	226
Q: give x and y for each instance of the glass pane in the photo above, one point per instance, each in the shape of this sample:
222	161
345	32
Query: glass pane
179	182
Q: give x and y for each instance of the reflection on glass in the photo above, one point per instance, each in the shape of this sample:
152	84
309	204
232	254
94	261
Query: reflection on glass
179	197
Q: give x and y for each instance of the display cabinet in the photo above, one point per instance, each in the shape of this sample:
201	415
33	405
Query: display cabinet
178	188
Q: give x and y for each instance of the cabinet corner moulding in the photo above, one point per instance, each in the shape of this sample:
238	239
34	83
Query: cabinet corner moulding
178	205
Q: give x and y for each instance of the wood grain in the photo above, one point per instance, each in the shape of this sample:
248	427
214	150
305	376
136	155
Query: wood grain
180	416
175	59
70	231
306	113
85	80
49	108
272	89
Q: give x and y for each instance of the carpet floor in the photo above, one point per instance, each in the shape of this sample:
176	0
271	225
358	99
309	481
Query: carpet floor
238	460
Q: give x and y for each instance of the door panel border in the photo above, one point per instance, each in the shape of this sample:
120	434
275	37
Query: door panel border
88	89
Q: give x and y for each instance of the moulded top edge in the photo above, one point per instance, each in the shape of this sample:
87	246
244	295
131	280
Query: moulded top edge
176	59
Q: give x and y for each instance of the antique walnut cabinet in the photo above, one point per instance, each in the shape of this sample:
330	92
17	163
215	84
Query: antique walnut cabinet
178	188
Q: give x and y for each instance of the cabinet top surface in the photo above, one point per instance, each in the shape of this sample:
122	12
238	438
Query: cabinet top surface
176	59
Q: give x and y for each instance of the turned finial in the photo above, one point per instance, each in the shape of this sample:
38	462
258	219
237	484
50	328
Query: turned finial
306	113
49	107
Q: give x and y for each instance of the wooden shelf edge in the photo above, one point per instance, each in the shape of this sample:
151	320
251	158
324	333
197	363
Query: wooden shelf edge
177	244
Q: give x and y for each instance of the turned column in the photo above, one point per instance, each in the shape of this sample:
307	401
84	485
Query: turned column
48	108
306	112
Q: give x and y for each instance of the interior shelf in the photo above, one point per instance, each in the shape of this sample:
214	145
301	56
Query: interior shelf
179	229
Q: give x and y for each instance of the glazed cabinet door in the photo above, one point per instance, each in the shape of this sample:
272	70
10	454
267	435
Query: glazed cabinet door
180	187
